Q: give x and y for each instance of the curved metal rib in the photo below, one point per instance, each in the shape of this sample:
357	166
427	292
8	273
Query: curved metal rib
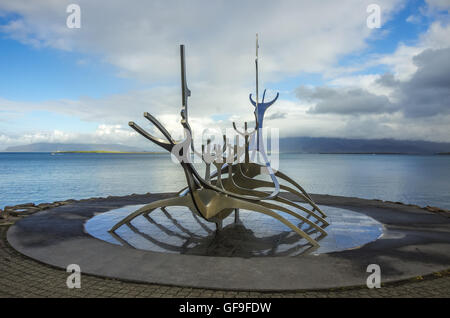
160	142
250	183
262	104
160	127
230	185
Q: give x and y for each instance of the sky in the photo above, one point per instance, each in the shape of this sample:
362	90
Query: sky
336	76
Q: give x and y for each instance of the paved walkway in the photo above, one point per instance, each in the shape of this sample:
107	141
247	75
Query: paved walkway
21	276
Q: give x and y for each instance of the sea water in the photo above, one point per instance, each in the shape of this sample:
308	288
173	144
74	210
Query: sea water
47	177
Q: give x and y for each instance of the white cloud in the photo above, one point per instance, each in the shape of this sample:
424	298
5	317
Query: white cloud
141	38
367	82
141	41
401	61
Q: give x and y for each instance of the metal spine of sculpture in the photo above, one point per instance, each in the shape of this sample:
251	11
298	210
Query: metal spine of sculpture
232	186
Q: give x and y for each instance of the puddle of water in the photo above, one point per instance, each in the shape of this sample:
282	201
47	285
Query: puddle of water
177	230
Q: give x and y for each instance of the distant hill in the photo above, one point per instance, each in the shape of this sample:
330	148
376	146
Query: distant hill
341	145
287	145
53	147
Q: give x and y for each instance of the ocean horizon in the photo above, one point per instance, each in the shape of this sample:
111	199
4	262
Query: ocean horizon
46	177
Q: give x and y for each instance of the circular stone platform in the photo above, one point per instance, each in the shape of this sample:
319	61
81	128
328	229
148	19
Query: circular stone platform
414	242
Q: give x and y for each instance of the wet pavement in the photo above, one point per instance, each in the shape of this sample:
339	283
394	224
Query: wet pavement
415	243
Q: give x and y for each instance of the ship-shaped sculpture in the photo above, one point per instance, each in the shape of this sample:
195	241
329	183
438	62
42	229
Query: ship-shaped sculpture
234	184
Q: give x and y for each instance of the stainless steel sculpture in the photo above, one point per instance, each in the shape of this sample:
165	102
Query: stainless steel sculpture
233	185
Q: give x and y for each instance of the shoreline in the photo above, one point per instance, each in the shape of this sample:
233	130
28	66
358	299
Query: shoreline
110	152
280	153
24	209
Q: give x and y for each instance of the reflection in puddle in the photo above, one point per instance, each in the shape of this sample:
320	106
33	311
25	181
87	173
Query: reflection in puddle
177	230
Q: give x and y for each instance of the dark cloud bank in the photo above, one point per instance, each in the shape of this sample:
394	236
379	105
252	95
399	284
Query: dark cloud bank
426	94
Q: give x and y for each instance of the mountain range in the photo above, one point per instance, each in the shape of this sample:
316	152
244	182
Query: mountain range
341	145
54	147
286	145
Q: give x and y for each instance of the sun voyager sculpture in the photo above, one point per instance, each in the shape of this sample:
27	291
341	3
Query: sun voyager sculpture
234	184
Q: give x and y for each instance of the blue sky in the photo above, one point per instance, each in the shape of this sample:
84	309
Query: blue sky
39	74
101	68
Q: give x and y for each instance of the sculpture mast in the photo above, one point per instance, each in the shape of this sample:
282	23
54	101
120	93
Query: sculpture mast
257	92
256	64
185	92
260	108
